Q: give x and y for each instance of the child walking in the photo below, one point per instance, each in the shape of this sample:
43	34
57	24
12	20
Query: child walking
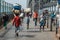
42	22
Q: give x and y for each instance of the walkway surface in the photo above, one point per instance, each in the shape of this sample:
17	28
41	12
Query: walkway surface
31	34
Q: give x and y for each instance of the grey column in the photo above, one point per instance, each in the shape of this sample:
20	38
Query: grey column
33	3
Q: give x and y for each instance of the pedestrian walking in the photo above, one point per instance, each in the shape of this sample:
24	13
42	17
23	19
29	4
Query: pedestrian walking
44	14
35	17
17	19
28	19
57	22
17	23
27	11
42	22
52	16
5	20
46	17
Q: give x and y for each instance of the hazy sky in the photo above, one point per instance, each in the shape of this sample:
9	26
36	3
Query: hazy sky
22	2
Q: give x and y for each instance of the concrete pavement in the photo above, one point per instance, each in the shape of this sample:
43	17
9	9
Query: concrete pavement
3	31
31	34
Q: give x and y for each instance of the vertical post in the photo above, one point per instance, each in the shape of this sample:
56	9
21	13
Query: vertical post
33	2
55	8
0	6
47	20
50	9
58	5
51	19
3	6
39	4
56	26
39	11
7	7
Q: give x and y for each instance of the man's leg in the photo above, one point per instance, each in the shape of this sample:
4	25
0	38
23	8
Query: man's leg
28	21
35	21
51	25
40	28
5	25
43	28
17	31
27	26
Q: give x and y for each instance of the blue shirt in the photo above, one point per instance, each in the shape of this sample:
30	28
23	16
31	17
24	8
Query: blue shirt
52	15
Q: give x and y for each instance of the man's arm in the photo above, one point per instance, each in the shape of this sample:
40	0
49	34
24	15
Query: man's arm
13	21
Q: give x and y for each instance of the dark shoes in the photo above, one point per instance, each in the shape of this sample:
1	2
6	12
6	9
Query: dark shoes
17	34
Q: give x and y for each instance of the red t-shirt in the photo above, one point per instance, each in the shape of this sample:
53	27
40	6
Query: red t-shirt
17	21
35	15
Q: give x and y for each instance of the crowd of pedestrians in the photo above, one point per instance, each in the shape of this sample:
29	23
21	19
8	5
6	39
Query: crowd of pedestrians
19	16
18	19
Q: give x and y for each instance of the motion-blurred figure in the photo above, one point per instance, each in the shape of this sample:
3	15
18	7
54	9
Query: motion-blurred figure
5	20
52	15
35	17
28	19
42	22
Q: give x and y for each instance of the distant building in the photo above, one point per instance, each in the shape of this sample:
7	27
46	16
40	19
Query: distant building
5	7
33	4
50	5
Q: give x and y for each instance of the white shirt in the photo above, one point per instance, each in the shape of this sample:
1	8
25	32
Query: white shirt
21	15
58	19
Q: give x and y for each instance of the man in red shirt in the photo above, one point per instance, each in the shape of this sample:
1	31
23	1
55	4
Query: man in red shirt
17	23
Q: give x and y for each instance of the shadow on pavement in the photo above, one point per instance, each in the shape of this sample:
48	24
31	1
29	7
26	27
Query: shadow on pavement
20	36
39	31
49	31
5	32
33	31
27	36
